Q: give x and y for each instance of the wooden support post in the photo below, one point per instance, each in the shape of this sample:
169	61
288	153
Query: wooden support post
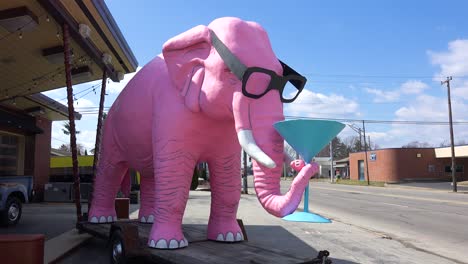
97	146
71	118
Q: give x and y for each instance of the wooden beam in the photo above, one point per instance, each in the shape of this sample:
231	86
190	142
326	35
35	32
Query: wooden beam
61	15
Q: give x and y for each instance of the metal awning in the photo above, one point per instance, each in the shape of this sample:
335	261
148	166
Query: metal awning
460	152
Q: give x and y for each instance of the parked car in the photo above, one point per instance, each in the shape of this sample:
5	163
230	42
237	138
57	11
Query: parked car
14	191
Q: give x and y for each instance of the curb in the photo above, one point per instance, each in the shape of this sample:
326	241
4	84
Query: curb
57	247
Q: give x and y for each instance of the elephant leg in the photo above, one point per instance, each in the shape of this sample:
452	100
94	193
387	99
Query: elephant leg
173	174
147	212
108	181
225	182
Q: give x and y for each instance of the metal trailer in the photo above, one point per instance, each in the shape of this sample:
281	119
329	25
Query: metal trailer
127	240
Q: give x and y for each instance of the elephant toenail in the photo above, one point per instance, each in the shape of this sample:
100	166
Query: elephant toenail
230	237
173	244
150	219
162	243
151	244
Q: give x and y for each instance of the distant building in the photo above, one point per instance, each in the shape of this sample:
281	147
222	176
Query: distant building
324	166
408	164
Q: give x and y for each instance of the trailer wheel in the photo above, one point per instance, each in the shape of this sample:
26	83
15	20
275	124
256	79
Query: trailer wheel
117	248
12	213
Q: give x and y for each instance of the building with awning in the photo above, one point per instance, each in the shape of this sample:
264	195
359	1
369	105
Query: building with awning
35	39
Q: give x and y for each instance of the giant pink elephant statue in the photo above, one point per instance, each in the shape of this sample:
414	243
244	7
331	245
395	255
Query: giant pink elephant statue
214	89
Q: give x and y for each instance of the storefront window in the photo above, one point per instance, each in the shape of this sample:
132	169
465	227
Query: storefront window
458	168
10	154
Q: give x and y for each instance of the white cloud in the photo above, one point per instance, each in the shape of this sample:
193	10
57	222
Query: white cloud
408	87
85	137
383	96
425	108
460	89
310	104
413	87
453	62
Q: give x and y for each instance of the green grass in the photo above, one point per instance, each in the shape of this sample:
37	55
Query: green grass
356	182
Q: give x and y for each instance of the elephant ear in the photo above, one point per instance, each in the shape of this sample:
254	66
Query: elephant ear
184	56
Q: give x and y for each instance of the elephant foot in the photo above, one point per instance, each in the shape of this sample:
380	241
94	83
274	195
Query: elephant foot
99	216
146	218
167	237
225	231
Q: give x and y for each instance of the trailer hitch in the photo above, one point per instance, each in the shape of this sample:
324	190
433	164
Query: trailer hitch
322	258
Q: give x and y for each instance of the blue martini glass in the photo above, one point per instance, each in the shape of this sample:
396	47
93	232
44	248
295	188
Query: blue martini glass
308	137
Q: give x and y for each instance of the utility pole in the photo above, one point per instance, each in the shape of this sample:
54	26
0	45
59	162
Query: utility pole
244	176
454	176
332	171
365	150
358	130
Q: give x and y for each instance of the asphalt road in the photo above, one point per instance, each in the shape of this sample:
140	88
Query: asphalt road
434	222
370	225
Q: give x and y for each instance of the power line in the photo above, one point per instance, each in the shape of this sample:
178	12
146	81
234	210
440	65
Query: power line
390	76
402	122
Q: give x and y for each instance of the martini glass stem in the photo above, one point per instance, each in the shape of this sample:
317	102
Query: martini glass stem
306	199
306	196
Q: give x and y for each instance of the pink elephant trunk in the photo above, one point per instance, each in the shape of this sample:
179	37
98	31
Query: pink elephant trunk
267	181
260	117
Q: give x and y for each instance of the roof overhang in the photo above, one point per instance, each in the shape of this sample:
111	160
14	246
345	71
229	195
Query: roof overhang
460	152
30	57
40	105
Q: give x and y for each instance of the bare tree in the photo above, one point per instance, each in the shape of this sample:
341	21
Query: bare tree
417	144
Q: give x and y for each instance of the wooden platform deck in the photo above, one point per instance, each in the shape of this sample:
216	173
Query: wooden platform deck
200	250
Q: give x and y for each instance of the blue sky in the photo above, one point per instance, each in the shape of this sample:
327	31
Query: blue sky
373	60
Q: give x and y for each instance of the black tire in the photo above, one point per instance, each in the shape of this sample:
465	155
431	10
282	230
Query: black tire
117	248
12	213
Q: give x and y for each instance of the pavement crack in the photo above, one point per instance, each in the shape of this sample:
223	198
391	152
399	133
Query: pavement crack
406	244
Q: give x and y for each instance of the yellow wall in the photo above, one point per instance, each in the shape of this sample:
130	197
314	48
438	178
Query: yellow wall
83	161
64	162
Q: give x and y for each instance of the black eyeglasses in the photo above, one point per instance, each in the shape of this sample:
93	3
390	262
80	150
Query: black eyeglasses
290	85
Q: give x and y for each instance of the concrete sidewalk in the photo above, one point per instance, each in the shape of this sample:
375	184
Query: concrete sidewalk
462	187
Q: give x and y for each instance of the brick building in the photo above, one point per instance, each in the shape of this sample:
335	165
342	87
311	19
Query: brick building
25	137
408	164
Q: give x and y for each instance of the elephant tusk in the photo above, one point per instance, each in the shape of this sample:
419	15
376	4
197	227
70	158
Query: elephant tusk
249	145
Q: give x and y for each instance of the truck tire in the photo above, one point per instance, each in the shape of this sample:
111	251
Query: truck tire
12	213
117	248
